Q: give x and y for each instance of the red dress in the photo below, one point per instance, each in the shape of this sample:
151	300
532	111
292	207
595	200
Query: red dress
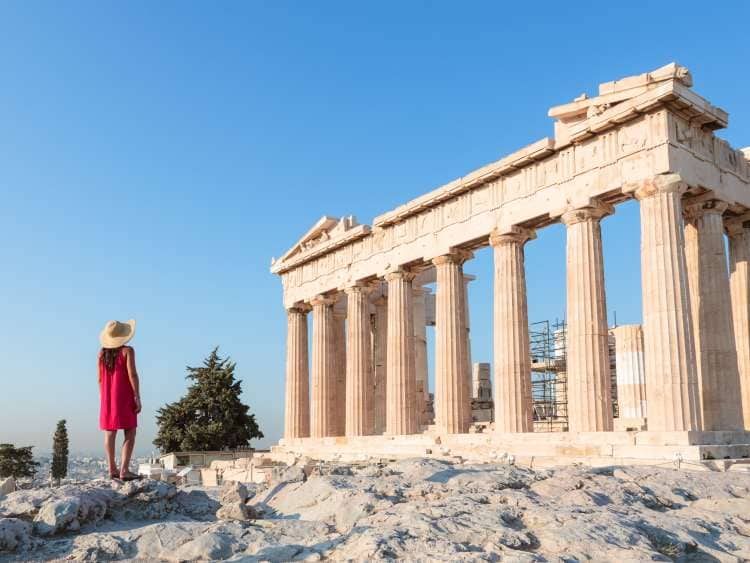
117	411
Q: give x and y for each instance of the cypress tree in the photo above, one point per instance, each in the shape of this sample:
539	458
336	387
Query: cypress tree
60	453
211	415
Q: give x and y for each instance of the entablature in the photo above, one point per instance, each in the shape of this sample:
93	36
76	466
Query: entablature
658	126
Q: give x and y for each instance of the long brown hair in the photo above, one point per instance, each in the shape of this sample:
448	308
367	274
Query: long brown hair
109	357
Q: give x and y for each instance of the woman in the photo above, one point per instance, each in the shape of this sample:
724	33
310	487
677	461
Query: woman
120	399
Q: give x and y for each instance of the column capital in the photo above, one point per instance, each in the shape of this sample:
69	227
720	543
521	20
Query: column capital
457	256
737	225
594	211
400	274
299	308
361	288
511	235
661	183
695	209
323	300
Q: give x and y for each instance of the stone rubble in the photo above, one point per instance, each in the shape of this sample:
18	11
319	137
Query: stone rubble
422	509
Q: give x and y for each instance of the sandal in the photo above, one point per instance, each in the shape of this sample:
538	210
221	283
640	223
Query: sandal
114	476
128	476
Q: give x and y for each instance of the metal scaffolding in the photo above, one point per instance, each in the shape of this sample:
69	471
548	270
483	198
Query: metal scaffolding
549	382
613	375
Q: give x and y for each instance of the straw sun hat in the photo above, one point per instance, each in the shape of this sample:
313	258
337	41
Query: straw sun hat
116	334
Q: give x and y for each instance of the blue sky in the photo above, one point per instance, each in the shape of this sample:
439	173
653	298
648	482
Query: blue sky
154	156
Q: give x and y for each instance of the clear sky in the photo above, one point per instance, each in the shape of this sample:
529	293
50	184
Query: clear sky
155	156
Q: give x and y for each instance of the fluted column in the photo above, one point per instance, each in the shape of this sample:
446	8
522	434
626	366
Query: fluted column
711	307
380	345
401	413
297	392
452	390
467	280
631	371
359	421
513	408
339	354
322	412
738	230
420	352
589	385
671	380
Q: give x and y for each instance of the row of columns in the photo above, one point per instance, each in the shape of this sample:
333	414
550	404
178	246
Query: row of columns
696	321
392	350
693	377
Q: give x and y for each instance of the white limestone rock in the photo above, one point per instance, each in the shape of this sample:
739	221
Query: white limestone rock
287	539
7	485
14	534
99	547
206	547
159	540
58	515
233	492
338	500
236	511
292	474
196	504
411	509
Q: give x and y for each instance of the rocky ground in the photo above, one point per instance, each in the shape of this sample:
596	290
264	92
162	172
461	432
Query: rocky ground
416	509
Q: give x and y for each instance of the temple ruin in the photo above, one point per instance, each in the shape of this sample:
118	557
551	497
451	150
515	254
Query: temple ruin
682	379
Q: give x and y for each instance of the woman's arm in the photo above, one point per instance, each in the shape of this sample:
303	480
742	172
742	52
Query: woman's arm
133	376
99	370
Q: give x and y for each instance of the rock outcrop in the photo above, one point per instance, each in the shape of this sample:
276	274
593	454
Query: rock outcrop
412	509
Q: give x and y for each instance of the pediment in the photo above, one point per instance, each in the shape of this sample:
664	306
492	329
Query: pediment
325	230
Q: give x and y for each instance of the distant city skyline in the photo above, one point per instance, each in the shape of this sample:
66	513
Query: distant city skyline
155	158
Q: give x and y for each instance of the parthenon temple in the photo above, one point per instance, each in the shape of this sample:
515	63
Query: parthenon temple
682	385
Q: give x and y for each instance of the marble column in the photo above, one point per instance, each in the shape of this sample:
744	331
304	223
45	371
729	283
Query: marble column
322	411
339	354
671	380
380	344
738	230
359	387
589	385
297	395
467	280
420	352
513	405
631	371
711	313
452	392
401	412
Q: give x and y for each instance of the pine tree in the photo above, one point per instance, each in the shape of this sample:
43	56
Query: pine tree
17	462
60	453
211	416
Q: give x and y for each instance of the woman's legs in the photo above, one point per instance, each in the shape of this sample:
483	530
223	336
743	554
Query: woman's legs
127	451
109	450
